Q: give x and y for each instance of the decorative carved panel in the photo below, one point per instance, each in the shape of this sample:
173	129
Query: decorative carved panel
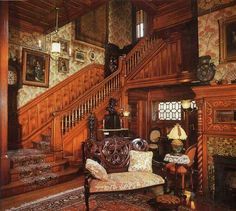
37	113
214	105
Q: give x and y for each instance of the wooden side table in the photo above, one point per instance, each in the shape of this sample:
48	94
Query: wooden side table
177	160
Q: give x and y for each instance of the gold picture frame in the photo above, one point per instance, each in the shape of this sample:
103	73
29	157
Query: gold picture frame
227	39
63	65
79	56
35	68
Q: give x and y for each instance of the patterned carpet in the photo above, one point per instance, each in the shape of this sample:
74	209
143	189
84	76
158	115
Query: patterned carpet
74	200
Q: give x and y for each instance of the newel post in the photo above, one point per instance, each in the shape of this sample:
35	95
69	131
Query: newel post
56	140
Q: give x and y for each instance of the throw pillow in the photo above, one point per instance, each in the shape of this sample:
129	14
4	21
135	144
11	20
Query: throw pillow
97	170
140	161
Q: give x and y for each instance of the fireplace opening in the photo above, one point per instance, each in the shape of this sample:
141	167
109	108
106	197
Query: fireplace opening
225	179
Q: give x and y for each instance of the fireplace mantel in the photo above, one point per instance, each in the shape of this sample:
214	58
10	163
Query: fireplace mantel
214	137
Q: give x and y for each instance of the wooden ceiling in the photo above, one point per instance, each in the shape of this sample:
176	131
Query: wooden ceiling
40	15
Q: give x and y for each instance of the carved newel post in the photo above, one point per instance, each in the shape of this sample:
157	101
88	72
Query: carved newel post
92	126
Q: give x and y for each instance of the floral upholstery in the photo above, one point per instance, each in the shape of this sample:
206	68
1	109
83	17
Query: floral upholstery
140	161
97	170
126	181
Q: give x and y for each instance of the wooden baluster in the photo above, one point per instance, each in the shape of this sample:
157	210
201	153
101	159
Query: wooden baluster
79	108
63	125
69	121
73	118
76	115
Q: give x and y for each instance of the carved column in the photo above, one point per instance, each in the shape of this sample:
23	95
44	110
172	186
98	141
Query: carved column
4	162
200	145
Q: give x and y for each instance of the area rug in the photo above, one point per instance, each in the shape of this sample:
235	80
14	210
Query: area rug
74	200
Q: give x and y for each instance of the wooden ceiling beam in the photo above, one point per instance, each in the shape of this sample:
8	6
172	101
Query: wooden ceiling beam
18	10
25	26
26	18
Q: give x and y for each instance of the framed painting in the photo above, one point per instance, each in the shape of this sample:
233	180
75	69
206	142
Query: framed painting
227	39
64	46
79	56
92	27
35	68
63	65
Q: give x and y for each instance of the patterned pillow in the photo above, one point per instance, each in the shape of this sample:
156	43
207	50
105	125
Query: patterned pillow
140	161
97	170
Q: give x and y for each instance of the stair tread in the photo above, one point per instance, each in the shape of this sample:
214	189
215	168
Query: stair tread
32	166
68	171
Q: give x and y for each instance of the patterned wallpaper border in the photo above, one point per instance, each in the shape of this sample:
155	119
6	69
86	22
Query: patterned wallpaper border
209	6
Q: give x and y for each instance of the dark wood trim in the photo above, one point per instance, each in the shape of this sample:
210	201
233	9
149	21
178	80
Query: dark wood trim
4	162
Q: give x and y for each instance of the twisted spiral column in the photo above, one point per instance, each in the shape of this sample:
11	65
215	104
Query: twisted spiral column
200	145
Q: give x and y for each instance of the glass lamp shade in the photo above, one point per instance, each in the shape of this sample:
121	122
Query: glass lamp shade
56	47
126	113
186	104
177	134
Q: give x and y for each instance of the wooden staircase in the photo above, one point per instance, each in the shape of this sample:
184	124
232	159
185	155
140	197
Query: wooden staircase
54	125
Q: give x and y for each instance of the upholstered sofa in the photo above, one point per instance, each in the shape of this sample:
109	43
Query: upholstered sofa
117	164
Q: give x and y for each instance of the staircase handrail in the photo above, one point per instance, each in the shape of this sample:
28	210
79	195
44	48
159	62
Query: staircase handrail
90	91
139	52
68	118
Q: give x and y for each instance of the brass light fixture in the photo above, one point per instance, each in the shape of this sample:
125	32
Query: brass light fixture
56	45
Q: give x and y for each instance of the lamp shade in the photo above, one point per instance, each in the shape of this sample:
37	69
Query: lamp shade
177	132
186	104
56	47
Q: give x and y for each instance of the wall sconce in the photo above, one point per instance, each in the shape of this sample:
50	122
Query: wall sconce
186	104
126	113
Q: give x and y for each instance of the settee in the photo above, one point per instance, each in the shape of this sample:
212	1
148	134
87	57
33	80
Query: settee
117	164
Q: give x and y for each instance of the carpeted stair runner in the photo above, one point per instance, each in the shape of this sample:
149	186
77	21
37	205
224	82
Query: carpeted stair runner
36	168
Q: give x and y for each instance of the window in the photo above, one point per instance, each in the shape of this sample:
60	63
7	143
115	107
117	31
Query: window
169	111
140	23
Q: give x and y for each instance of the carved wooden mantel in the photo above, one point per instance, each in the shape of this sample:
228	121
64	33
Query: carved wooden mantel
209	100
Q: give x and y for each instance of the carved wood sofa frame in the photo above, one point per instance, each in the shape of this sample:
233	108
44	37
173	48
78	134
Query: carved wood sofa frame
113	154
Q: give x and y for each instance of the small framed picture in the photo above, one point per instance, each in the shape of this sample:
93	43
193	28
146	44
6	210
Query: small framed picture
92	55
63	65
35	68
227	39
64	46
79	56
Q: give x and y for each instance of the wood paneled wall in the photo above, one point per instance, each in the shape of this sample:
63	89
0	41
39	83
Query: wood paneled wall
36	115
164	66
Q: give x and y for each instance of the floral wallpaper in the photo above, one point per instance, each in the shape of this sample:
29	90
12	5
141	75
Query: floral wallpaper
120	33
19	40
120	23
218	146
208	35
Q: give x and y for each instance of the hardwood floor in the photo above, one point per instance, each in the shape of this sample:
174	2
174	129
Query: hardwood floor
15	201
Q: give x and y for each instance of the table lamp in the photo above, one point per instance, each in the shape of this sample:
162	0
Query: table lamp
177	134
